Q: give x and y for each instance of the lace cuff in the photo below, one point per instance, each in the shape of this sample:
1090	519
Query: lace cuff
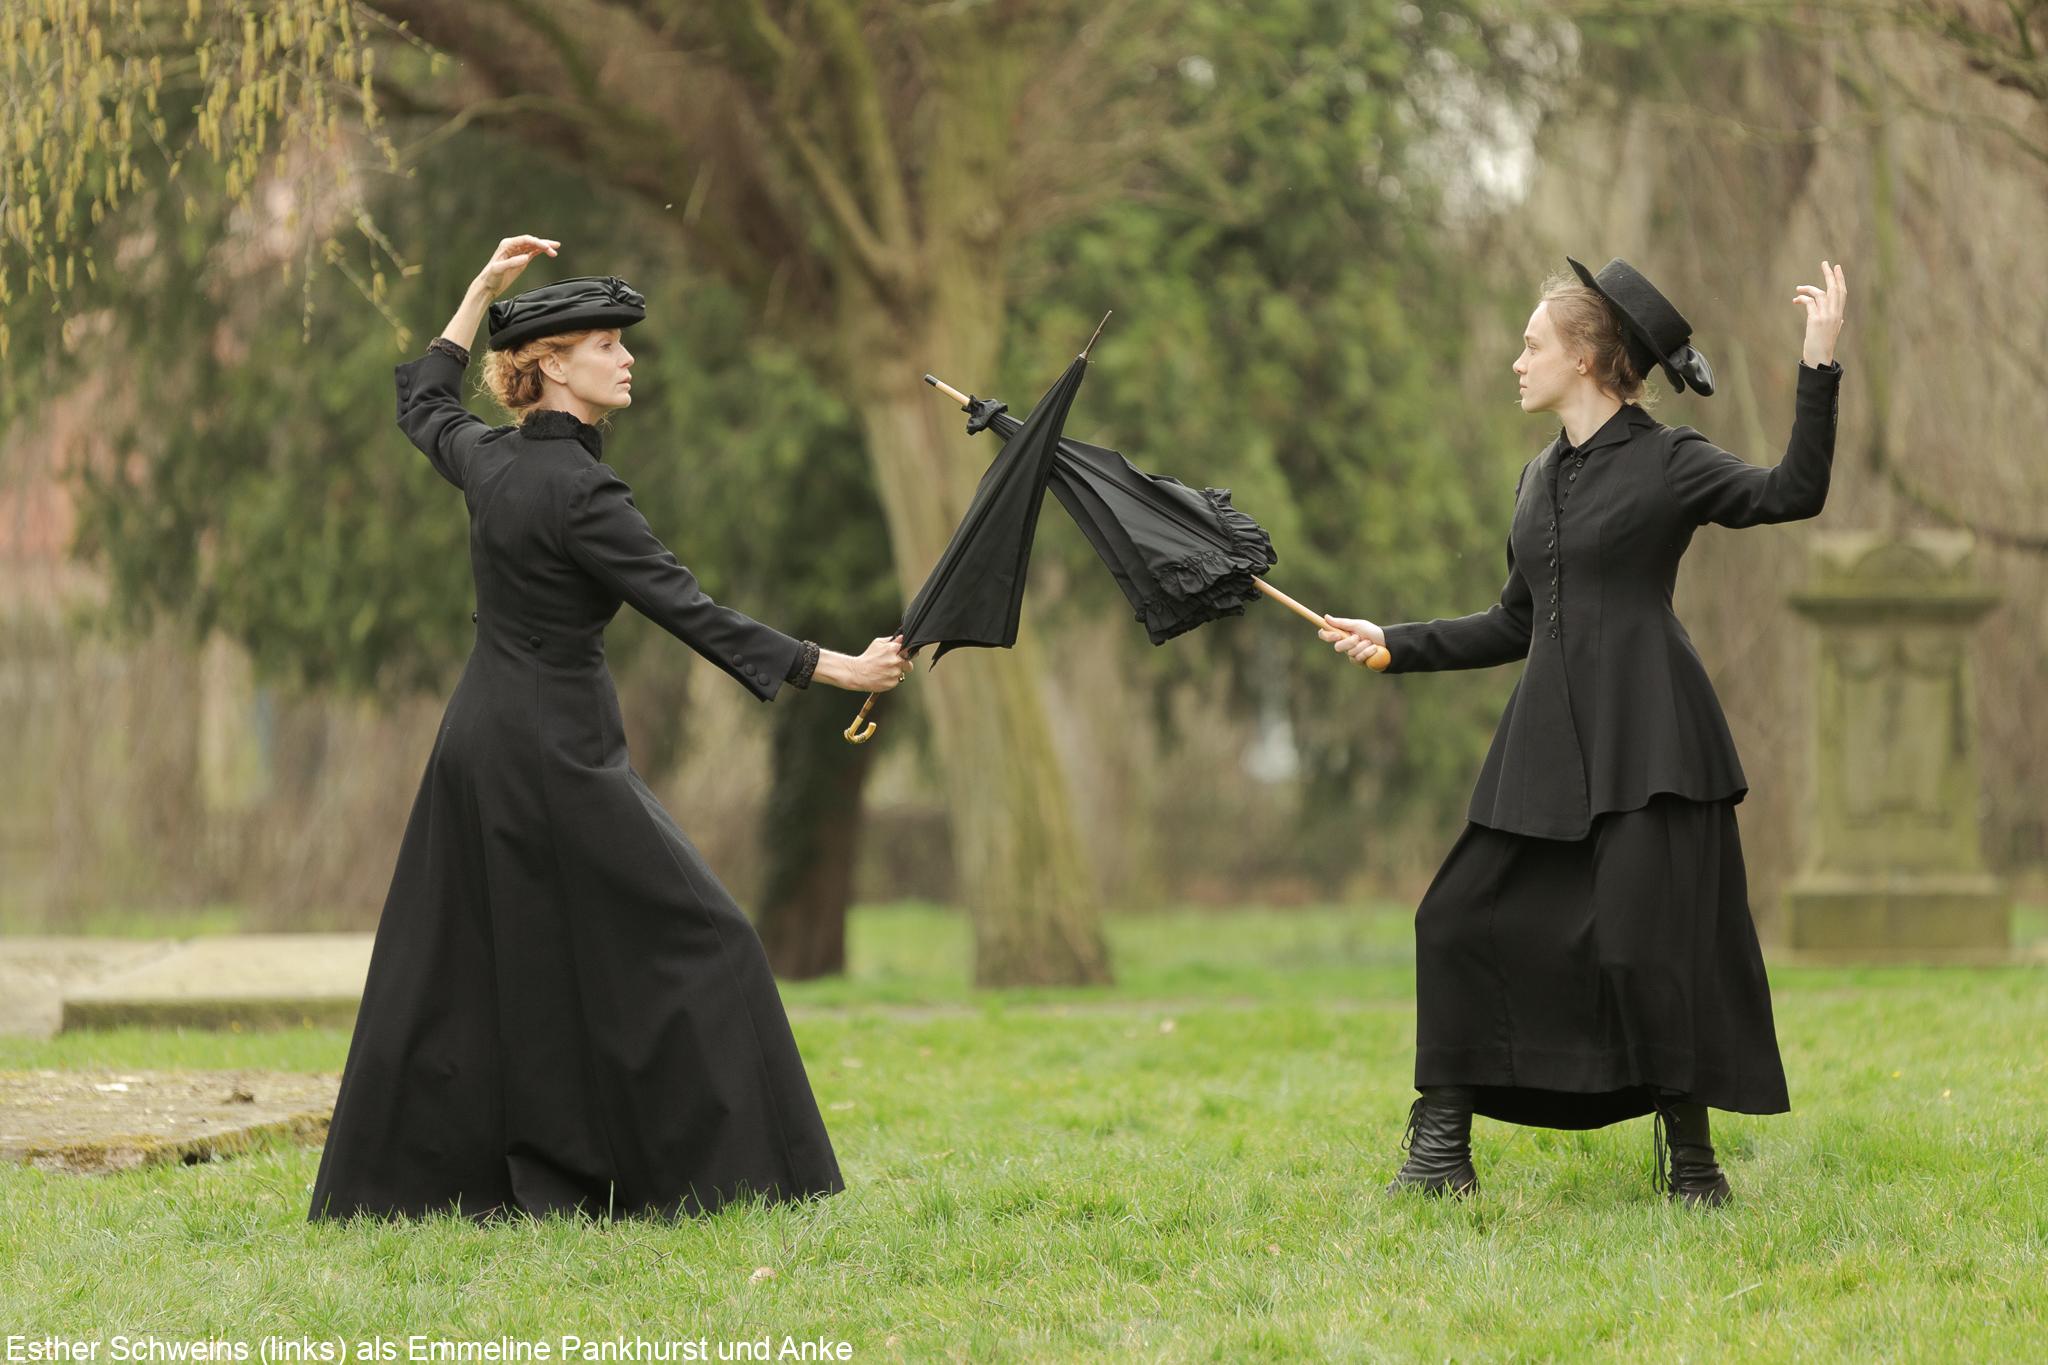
806	663
454	350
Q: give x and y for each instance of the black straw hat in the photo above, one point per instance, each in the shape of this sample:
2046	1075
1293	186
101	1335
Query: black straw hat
1656	332
571	305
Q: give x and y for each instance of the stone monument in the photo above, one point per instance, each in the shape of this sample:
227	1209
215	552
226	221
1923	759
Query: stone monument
1894	868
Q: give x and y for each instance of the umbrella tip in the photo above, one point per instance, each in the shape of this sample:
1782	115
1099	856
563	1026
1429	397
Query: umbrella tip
1098	332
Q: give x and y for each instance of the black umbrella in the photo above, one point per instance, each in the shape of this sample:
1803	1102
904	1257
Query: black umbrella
1183	556
975	592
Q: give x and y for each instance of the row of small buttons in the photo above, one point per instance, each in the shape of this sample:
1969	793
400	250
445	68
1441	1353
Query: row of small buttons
1578	463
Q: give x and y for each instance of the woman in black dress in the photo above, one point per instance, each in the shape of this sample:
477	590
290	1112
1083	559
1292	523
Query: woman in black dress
1586	952
565	1010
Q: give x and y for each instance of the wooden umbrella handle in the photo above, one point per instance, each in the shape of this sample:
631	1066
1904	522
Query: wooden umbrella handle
1284	600
1380	658
854	733
947	389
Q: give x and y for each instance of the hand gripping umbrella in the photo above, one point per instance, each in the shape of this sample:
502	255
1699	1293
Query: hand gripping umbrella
1183	556
976	591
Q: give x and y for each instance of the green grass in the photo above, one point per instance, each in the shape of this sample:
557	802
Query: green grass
1186	1166
130	921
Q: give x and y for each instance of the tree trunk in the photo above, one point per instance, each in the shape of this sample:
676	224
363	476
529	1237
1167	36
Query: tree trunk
825	529
1016	847
1018	852
811	835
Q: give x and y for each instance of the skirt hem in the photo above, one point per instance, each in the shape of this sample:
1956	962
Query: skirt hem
1587	1090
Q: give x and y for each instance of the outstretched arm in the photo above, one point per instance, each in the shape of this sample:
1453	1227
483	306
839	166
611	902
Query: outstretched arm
430	407
1498	635
607	535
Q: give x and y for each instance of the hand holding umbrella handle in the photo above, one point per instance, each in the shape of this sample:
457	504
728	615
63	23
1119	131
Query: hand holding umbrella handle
862	730
1378	662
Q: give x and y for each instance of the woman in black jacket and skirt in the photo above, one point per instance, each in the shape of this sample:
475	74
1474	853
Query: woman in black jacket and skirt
565	1011
1586	952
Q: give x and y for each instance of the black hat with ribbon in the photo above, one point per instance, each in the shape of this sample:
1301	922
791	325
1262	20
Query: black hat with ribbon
586	301
1656	333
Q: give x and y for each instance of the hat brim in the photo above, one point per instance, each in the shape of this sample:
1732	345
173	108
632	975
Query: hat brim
584	320
1636	334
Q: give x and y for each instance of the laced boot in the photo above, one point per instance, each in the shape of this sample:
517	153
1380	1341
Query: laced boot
1684	1153
1439	1143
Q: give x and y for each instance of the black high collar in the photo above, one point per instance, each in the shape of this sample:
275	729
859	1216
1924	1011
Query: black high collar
1624	423
545	424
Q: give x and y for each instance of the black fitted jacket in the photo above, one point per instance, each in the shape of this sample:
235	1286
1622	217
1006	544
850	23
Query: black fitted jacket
1614	704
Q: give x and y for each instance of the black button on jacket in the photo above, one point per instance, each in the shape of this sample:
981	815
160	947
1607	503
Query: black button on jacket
1614	704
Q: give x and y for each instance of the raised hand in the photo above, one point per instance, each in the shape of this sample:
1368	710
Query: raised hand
1823	307
510	258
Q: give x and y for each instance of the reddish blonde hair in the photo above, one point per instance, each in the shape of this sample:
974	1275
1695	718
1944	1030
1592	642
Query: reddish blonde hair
513	378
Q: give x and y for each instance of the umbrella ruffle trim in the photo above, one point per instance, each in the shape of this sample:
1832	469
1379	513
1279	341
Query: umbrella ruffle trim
1163	618
1247	538
1209	584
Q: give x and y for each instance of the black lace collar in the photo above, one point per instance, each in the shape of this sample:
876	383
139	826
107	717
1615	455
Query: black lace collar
544	424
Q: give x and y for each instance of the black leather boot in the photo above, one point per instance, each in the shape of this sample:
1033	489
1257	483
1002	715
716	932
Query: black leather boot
1684	1153
1439	1143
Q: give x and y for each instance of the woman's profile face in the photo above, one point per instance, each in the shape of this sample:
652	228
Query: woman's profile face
1547	371
598	370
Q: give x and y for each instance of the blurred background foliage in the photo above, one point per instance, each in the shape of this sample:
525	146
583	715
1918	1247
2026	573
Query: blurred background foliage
1320	254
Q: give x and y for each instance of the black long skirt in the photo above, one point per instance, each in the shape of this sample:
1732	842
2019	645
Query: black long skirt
566	1012
1563	979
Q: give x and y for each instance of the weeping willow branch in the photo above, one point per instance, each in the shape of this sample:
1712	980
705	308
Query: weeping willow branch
86	86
